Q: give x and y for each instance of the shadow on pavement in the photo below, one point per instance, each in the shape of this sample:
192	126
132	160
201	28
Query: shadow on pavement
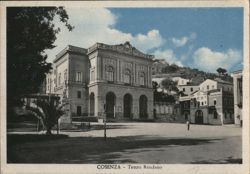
29	148
87	128
228	160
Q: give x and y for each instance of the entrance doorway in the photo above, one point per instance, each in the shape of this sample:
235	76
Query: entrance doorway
199	117
110	104
143	106
127	106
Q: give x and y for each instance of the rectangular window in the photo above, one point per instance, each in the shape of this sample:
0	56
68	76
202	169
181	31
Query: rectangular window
183	89
59	79
142	79
79	95
78	76
214	102
92	75
79	110
110	74
207	87
127	78
191	89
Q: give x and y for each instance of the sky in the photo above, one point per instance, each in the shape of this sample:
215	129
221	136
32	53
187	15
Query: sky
202	38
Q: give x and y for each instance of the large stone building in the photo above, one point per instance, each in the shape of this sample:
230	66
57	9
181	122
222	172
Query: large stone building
238	96
103	80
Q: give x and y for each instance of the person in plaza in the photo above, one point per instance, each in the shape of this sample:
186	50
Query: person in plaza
188	125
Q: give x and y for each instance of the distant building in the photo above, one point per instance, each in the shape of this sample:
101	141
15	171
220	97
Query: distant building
164	111
188	89
238	96
209	84
184	104
181	81
111	80
211	104
212	107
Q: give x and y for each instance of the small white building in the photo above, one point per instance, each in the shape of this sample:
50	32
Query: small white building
181	81
209	84
188	89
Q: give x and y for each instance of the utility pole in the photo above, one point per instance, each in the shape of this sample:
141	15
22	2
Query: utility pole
105	118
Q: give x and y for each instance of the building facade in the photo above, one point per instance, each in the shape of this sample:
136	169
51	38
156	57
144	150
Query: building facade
238	96
188	89
69	79
211	104
104	81
181	81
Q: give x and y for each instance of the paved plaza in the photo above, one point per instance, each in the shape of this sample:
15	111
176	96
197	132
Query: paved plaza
161	143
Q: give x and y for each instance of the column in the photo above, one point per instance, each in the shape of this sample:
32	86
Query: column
118	71
148	78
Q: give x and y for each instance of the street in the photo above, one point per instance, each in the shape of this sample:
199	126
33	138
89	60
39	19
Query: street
158	143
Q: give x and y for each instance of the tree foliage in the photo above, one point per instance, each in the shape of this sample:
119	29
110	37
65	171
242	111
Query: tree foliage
170	69
161	96
169	85
221	71
30	31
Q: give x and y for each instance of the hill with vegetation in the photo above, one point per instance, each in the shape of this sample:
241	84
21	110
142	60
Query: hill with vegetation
196	75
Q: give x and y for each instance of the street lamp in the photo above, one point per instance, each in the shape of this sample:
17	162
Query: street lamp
105	117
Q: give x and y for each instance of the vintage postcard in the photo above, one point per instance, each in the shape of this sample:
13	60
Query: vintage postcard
124	87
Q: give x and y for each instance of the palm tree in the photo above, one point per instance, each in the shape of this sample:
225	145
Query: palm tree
48	112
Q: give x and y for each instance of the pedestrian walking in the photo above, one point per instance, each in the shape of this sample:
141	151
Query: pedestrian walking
188	125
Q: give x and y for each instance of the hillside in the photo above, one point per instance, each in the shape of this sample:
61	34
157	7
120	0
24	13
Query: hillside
196	75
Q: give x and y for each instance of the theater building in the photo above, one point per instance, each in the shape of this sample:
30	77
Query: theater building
104	81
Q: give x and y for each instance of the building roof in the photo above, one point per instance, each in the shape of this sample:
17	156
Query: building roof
223	81
185	98
125	48
235	73
189	84
213	91
72	49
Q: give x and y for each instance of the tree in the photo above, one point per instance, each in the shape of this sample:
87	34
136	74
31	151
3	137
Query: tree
221	71
48	112
169	85
170	69
30	31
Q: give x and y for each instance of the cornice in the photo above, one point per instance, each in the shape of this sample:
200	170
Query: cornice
125	48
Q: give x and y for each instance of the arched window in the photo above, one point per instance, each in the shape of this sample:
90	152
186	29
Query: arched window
127	76
110	73
142	79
